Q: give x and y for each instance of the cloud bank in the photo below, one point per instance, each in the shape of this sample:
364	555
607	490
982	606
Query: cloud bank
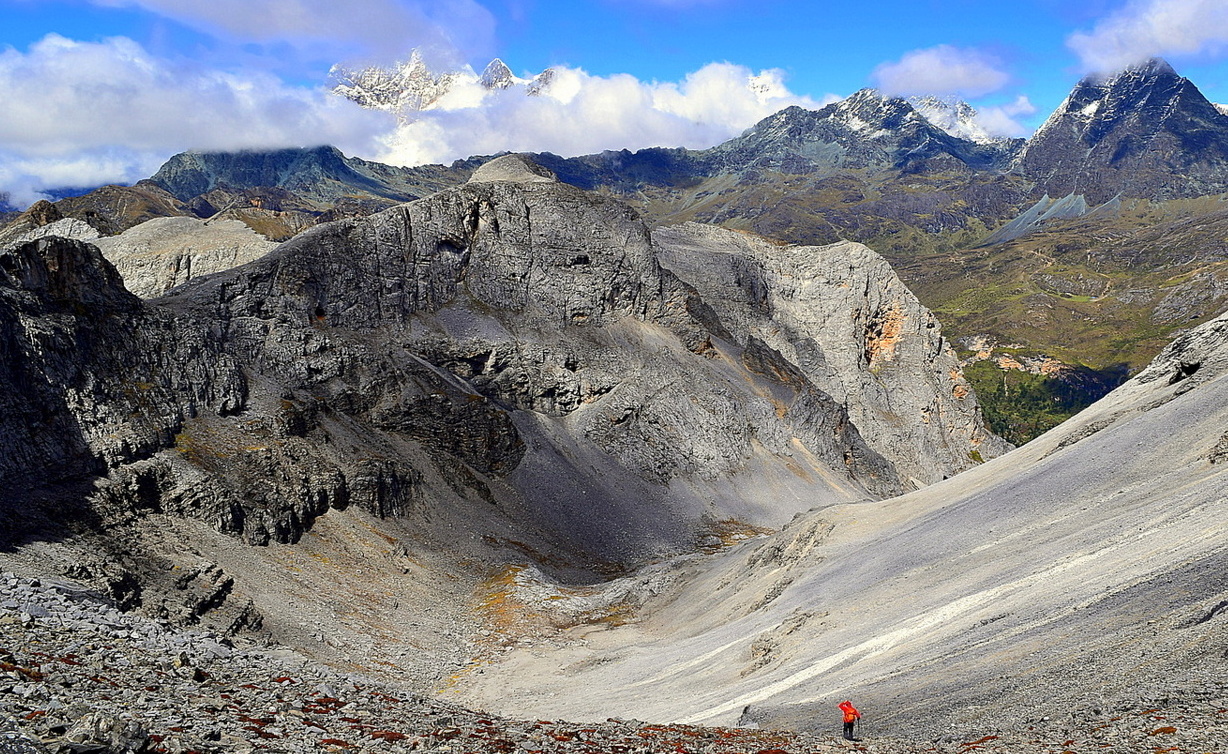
942	70
1003	120
1149	28
80	114
581	113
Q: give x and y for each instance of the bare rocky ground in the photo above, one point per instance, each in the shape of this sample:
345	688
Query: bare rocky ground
78	675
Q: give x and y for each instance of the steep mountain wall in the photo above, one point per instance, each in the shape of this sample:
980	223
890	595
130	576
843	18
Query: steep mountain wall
843	317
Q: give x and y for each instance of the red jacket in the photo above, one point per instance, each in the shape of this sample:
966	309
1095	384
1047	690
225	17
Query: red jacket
850	712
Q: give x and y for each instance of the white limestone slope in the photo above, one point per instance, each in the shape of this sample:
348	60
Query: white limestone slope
165	252
1081	567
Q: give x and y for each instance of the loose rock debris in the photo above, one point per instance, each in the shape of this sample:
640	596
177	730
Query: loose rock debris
79	675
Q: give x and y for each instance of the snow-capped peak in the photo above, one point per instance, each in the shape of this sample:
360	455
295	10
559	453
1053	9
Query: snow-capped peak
497	75
412	86
952	115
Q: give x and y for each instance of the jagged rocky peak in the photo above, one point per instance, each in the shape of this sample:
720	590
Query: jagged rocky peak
1149	84
497	75
868	110
513	167
414	85
1145	131
865	130
408	85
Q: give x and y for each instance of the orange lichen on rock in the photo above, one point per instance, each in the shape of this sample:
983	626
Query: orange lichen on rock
883	333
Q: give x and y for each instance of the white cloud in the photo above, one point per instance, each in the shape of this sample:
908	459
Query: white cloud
82	113
354	28
1003	120
582	113
1147	28
942	70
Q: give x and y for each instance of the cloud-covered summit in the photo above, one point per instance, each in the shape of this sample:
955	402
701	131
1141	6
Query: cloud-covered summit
87	113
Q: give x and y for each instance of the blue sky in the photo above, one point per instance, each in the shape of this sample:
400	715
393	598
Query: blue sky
104	90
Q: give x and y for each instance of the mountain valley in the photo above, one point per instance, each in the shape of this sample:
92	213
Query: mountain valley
631	452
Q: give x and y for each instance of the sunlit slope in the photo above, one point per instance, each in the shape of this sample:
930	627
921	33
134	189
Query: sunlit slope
1084	566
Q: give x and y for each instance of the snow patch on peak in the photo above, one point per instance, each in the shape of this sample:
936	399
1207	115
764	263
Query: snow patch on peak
1223	109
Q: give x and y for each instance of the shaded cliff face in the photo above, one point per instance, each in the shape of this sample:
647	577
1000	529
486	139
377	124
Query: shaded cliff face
93	380
510	348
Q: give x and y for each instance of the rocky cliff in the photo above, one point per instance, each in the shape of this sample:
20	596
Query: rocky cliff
843	318
512	348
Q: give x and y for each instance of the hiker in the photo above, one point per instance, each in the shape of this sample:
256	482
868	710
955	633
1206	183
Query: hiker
851	716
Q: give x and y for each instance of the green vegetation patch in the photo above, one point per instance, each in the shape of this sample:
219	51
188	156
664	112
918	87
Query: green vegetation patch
1020	406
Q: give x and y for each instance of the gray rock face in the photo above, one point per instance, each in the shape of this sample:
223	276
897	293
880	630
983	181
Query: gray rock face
505	343
840	314
160	254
